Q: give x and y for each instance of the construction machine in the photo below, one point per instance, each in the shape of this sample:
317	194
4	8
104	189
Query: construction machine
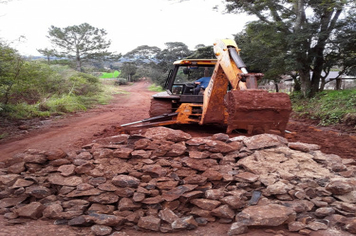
231	98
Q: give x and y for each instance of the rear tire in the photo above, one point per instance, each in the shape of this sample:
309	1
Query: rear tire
160	107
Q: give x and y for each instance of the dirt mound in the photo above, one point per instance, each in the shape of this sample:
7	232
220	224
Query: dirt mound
167	181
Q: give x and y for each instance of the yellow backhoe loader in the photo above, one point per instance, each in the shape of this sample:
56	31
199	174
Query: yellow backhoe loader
231	98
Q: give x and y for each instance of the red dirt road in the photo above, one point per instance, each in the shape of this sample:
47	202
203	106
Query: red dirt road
72	131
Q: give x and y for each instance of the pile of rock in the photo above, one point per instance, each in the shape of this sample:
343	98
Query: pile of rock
165	180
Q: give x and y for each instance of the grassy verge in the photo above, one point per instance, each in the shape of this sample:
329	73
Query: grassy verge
154	87
58	105
328	107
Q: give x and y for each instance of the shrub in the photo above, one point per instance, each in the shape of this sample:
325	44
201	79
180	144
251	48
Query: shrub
121	81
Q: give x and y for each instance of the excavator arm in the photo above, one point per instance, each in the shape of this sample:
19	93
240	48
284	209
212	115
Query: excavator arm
244	106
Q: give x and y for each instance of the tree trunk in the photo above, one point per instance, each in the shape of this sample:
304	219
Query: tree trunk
79	62
305	82
338	84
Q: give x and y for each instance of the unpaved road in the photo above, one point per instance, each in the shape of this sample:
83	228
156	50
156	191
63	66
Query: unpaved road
71	132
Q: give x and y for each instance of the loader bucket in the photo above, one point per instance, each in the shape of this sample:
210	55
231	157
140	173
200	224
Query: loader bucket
254	110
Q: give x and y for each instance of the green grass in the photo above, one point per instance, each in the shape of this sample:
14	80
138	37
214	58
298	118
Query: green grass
156	88
328	107
115	74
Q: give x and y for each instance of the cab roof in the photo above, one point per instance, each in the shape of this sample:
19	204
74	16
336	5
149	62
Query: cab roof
196	62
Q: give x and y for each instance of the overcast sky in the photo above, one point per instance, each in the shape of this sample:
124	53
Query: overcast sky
129	23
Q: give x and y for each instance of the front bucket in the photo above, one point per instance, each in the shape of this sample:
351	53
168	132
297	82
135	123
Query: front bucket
254	110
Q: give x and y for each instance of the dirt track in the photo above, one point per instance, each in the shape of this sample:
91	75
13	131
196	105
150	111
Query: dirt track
71	132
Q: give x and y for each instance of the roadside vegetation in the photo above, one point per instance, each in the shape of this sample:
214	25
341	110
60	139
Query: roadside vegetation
31	89
328	107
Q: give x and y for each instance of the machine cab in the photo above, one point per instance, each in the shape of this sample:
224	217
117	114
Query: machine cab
181	79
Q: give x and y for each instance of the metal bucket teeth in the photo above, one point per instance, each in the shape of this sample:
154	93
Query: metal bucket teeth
257	110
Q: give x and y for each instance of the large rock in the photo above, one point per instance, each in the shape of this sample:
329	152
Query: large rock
32	210
285	162
163	133
264	141
340	186
125	181
67	181
149	222
268	215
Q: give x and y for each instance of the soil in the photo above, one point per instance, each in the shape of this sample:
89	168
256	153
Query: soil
72	131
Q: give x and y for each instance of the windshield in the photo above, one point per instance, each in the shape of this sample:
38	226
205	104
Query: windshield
189	74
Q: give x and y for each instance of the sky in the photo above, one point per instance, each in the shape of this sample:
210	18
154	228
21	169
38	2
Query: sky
129	23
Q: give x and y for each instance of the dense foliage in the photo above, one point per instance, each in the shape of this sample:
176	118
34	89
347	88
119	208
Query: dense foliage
33	88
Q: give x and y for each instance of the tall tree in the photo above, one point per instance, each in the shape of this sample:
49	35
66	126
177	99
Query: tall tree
144	54
82	43
308	26
203	51
174	51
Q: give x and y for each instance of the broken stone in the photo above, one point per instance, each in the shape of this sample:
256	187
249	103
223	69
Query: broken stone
125	181
223	211
167	215
90	192
237	228
269	215
103	219
296	226
80	221
246	177
16	168
316	226
67	170
214	194
264	141
177	192
101	230
22	183
38	191
185	223
126	204
163	133
55	154
53	211
201	164
304	147
104	198
67	181
101	209
8	179
339	186
149	222
123	153
206	204
32	210
10	202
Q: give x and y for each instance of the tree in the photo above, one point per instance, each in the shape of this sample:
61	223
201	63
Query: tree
128	70
11	65
48	53
264	50
82	43
174	51
308	27
203	51
144	54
